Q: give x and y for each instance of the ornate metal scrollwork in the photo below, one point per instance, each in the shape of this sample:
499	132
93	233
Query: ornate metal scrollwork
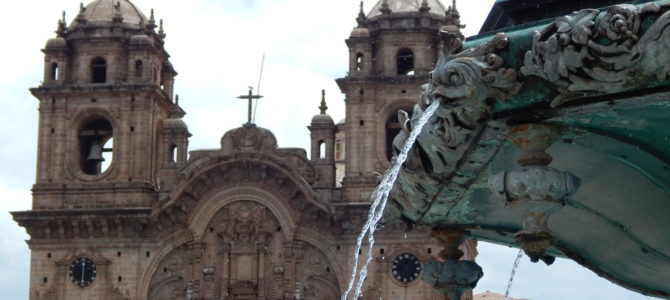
587	52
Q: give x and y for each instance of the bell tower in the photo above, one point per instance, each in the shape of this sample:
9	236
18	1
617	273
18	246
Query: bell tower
391	52
109	136
107	91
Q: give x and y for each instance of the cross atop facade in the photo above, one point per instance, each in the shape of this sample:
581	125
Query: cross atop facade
250	97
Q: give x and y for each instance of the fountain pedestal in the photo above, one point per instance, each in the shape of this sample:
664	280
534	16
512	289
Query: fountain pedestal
452	277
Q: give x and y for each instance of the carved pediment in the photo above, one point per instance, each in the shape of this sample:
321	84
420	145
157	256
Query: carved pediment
254	141
250	138
245	170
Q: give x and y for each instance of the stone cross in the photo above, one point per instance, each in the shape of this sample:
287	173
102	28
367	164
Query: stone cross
250	97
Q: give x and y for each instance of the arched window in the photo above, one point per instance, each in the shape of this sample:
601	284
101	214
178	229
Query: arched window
173	153
405	62
99	70
392	130
54	71
96	141
322	150
359	61
138	68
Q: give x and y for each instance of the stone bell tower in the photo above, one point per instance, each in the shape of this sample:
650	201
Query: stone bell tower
106	93
109	134
391	52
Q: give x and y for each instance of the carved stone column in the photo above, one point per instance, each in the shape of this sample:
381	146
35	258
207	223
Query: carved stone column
262	257
225	269
196	251
289	268
534	190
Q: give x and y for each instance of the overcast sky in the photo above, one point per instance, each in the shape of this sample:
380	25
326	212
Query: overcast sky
216	47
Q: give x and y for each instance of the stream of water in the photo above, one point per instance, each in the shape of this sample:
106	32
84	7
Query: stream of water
511	276
378	204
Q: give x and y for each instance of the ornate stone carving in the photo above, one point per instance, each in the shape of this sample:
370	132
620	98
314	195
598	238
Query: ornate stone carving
317	275
237	173
587	52
463	82
253	139
169	281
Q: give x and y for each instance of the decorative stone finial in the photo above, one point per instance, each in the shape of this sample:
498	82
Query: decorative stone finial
453	17
161	32
177	111
361	17
424	7
118	17
152	20
385	9
323	107
62	27
80	17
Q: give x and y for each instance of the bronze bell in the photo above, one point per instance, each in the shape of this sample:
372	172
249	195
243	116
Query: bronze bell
96	153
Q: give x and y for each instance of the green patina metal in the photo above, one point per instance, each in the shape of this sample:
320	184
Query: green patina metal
646	127
616	140
535	91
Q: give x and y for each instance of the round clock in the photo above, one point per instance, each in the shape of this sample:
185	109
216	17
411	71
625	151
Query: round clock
82	271
406	268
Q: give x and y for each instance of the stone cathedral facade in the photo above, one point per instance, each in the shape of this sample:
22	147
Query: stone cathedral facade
122	209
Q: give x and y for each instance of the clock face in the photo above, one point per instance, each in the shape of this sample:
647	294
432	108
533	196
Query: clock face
82	271
406	268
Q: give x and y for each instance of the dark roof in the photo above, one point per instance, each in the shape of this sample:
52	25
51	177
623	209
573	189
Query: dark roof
506	13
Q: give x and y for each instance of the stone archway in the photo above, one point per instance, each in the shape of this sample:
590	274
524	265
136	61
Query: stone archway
244	254
170	279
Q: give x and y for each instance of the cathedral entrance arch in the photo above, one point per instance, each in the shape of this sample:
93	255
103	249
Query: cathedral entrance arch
243	252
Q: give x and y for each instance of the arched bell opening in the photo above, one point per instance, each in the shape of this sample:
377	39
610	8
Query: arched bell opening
98	70
54	72
96	139
405	62
139	65
322	150
359	61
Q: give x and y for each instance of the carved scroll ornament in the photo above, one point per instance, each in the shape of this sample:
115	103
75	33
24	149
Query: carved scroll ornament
587	52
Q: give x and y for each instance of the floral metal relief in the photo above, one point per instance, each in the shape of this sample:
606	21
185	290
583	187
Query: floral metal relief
588	52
